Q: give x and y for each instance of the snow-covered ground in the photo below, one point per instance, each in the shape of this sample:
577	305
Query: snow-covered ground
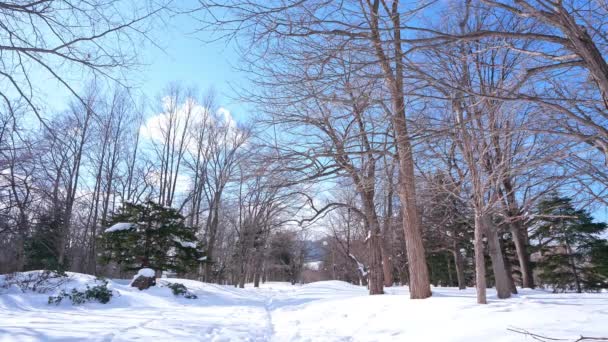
322	311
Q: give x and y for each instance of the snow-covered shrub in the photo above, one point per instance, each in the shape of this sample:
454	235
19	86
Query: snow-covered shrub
98	293
180	289
35	281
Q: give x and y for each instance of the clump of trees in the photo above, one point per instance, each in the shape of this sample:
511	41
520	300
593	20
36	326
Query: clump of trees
570	252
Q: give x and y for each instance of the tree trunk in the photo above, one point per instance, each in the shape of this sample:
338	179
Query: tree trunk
459	263
480	263
503	289
387	262
419	282
449	266
387	266
418	272
519	234
212	224
508	269
376	274
20	246
523	257
257	268
577	281
420	286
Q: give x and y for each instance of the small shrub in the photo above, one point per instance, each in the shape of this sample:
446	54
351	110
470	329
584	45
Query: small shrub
179	289
58	298
78	297
98	293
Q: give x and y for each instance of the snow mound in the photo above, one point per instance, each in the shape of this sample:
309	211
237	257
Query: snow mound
146	272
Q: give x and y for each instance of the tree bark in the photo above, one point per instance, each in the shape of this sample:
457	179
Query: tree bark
503	289
519	234
387	263
376	274
212	225
420	286
508	269
459	263
480	263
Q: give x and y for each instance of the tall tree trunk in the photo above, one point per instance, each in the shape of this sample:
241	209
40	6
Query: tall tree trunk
418	271
387	263
420	286
212	226
73	186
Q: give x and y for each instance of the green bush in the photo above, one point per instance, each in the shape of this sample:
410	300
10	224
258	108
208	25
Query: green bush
98	293
179	289
58	298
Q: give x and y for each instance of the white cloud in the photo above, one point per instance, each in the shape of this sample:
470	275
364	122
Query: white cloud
176	114
190	113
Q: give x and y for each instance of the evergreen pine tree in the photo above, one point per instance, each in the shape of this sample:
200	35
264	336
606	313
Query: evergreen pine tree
42	246
150	235
572	255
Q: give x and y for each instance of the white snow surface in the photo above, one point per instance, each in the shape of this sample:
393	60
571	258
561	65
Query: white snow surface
185	244
119	226
146	272
321	311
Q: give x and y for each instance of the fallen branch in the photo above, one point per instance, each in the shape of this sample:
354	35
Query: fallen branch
546	338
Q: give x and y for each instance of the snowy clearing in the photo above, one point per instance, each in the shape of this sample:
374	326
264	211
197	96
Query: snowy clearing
322	311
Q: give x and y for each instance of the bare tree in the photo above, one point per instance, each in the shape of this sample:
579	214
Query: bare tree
312	33
58	37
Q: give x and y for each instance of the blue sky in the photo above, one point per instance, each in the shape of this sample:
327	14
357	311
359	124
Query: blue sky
186	58
179	56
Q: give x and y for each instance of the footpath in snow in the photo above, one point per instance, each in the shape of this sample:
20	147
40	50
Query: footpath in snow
322	311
